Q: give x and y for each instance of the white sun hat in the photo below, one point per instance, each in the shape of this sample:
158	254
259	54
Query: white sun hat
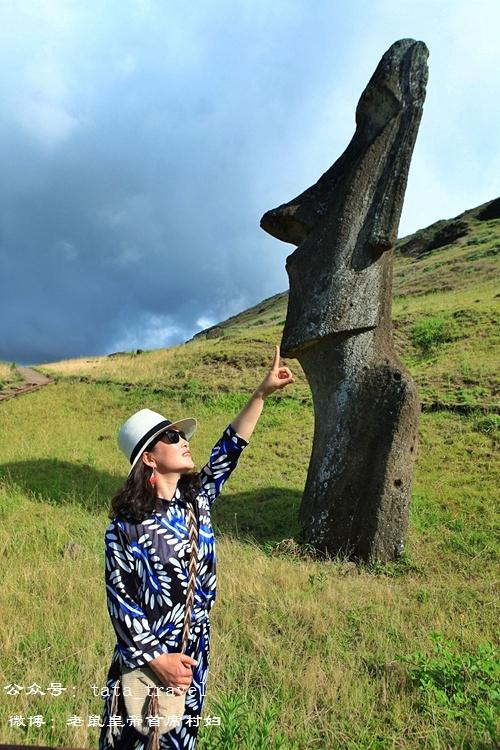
143	427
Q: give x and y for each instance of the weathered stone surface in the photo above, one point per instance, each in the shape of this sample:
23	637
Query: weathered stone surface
338	323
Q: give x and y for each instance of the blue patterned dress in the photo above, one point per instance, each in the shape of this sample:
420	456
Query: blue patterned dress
146	579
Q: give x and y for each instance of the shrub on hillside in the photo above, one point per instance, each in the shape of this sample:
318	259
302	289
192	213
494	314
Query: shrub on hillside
428	333
461	686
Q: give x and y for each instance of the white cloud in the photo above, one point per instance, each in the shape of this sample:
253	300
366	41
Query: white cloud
46	79
61	15
65	250
205	322
127	64
128	254
49	123
149	332
112	217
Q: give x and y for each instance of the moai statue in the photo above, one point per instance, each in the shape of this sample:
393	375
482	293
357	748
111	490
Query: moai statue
338	325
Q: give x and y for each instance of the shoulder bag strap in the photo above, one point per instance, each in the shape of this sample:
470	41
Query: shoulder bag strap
192	517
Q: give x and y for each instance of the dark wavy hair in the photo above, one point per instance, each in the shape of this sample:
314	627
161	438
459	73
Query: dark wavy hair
137	499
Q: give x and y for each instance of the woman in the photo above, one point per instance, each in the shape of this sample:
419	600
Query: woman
147	556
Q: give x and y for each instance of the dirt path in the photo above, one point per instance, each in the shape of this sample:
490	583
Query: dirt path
32	377
32	382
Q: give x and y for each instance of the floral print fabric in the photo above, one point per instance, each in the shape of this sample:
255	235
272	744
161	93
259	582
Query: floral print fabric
146	573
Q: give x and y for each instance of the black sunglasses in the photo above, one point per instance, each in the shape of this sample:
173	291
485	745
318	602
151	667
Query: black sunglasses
172	436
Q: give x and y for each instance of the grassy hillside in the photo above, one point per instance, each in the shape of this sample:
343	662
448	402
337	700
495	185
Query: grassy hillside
305	653
445	326
8	375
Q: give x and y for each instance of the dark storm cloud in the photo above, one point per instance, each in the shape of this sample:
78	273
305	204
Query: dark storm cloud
141	142
127	210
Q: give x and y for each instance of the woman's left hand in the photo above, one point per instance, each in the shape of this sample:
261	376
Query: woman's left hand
277	377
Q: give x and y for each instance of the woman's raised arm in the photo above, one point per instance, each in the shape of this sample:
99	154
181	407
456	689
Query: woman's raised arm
277	378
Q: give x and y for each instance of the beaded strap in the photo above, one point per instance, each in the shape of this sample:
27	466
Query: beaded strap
193	564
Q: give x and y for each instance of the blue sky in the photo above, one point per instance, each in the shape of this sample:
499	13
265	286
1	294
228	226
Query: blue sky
142	141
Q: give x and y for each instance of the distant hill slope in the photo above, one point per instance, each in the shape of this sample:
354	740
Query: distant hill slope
445	328
471	239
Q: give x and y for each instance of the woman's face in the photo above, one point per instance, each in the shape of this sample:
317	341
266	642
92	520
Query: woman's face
167	457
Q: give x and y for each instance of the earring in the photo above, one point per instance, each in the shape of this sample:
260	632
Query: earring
152	479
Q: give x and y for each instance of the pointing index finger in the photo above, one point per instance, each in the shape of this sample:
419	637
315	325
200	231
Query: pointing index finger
276	362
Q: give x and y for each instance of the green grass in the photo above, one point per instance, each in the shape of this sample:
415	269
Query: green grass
9	376
305	653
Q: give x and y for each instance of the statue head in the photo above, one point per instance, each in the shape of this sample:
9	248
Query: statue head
341	273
